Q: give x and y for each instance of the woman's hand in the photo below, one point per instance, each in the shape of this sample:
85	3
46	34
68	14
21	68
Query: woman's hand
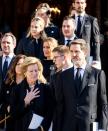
31	95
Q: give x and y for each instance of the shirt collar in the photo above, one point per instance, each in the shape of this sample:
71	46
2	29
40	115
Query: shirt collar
71	38
82	14
82	67
10	55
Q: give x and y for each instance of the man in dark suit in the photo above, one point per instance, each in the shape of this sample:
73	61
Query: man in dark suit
8	43
68	31
87	28
78	106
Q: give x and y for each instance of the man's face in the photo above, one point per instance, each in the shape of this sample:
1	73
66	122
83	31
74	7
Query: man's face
58	60
68	28
77	54
7	45
80	6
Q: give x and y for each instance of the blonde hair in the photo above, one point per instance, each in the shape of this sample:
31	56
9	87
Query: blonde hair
62	49
40	21
46	5
31	61
52	42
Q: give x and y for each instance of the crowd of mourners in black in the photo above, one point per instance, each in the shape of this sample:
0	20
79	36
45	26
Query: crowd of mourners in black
38	90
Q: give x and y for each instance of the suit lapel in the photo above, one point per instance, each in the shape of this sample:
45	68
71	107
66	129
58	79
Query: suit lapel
72	81
11	61
85	19
86	77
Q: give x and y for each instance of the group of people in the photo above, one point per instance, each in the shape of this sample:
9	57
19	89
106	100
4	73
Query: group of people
52	79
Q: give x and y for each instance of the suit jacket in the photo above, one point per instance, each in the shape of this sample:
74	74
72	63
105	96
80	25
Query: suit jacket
1	80
90	33
29	47
61	41
41	106
89	105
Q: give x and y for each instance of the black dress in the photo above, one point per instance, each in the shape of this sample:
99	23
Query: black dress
48	66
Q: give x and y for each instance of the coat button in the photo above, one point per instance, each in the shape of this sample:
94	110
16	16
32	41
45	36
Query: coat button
7	92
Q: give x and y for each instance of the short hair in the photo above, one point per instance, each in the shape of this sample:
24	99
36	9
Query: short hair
31	61
11	35
69	18
62	49
83	44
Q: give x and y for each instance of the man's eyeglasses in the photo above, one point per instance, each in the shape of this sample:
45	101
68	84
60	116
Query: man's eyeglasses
55	57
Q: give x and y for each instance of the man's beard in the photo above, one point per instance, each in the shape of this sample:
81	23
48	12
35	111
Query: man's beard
80	10
76	62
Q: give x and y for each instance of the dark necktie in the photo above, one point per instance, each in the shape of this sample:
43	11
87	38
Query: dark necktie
78	80
78	26
5	67
68	42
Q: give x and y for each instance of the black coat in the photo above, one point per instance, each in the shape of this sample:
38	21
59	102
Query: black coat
6	94
29	47
41	106
47	64
61	40
52	31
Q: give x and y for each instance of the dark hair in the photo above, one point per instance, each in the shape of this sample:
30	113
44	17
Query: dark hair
11	75
69	18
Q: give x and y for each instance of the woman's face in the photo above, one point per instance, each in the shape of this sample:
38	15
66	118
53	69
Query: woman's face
36	28
31	74
47	49
18	69
42	13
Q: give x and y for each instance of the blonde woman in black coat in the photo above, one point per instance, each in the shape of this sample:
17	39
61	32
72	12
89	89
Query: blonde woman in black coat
32	99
